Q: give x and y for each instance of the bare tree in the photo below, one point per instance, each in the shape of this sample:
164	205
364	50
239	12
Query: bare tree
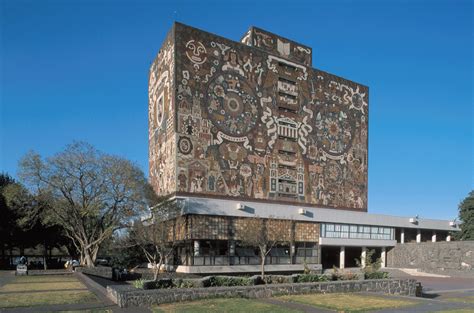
90	194
265	234
157	235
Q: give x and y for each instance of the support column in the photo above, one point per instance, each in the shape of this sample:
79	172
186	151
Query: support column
433	237
448	238
342	255
402	235
196	247
363	257
383	257
292	252
418	236
231	252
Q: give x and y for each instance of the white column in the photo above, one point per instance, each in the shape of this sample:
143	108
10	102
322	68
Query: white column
342	256
433	237
196	247
402	235
231	248
363	256
418	236
448	238
383	257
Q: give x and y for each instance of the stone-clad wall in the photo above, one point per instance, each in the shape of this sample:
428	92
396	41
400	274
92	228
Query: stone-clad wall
438	256
126	296
257	122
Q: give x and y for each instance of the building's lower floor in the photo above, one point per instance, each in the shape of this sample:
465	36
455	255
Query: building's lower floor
225	236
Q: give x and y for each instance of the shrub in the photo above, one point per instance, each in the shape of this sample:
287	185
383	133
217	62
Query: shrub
338	274
377	275
217	281
186	283
310	278
158	284
138	283
277	279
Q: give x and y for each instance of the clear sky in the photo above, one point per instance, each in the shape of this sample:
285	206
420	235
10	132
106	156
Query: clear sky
77	70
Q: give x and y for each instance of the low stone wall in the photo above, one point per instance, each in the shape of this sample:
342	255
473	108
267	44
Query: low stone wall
126	296
101	271
433	256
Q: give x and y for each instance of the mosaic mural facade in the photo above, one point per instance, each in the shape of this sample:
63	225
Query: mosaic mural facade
253	120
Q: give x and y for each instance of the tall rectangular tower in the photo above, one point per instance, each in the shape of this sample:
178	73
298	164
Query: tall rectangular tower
252	120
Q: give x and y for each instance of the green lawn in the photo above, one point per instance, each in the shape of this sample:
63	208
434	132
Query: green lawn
348	302
85	311
468	299
222	305
339	302
44	290
457	311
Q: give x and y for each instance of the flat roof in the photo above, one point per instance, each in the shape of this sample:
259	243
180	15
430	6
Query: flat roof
211	206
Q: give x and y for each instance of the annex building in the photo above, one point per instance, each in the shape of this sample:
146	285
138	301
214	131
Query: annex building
247	129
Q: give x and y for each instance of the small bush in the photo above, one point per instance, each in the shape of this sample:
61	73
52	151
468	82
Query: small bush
158	284
277	279
310	278
377	275
338	274
228	281
138	283
186	283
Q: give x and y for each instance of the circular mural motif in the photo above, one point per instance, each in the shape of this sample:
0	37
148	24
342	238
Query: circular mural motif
334	130
185	145
232	105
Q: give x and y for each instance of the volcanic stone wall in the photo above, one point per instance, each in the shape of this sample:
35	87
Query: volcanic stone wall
253	120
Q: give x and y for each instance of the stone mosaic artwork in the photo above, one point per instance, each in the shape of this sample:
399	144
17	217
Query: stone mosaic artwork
253	120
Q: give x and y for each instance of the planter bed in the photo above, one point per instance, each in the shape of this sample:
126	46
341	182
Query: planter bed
126	296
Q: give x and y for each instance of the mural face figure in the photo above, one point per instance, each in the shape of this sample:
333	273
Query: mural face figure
196	51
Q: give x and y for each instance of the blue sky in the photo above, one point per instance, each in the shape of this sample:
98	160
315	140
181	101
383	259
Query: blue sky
77	70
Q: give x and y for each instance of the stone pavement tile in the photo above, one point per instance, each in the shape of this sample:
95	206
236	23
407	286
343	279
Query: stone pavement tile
295	306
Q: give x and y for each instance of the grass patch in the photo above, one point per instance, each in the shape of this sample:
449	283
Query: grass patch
43	279
85	311
468	299
44	290
456	311
221	305
348	302
49	286
12	300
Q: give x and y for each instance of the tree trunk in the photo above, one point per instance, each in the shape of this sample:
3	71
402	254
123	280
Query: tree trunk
88	258
45	266
262	256
157	270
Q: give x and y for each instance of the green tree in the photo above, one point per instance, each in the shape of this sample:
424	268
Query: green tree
466	217
89	194
27	219
157	235
8	227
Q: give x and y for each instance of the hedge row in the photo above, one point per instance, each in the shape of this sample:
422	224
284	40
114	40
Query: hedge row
227	281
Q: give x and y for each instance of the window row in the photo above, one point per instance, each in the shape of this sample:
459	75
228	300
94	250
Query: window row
356	231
